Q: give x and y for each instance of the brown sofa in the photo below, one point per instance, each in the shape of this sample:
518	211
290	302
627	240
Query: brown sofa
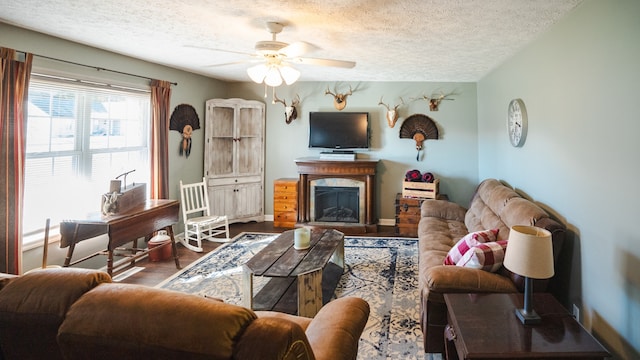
80	314
493	206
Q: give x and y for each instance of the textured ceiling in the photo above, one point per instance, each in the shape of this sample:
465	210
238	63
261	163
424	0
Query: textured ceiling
410	40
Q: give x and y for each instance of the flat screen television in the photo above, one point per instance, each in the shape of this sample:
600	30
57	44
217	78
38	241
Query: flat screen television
339	130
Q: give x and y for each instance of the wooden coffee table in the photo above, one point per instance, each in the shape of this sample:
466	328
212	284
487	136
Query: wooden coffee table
299	277
485	326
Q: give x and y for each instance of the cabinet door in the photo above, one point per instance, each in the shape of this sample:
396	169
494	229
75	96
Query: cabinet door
249	199
220	141
249	147
242	201
221	200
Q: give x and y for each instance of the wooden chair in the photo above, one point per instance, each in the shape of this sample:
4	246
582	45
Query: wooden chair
199	224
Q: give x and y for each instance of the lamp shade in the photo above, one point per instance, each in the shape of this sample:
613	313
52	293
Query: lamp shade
530	252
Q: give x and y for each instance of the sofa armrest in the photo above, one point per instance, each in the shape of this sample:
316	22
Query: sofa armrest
335	331
443	209
456	279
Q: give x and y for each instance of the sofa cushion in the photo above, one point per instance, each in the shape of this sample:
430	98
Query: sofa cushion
136	322
467	242
33	306
487	256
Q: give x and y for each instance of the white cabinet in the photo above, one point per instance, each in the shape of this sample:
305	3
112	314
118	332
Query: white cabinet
234	158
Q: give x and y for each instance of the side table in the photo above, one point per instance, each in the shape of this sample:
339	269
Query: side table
484	326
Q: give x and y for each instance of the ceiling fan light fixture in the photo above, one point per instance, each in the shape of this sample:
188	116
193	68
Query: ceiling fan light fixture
289	74
273	74
273	78
258	73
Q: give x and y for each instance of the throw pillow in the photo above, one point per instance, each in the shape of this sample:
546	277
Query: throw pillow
467	242
486	256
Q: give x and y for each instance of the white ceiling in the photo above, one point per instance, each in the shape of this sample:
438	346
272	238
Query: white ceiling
403	40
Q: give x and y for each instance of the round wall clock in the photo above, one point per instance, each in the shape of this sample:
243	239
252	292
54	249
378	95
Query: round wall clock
517	122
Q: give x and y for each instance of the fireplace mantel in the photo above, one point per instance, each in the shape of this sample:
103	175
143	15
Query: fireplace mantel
360	169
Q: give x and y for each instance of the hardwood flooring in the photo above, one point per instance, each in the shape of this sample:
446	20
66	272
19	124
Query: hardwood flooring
155	272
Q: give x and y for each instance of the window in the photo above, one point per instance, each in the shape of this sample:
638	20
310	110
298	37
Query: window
80	135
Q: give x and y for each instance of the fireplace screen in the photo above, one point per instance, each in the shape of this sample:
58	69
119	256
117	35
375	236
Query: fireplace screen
337	204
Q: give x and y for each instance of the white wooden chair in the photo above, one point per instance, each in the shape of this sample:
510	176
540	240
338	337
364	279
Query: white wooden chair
199	224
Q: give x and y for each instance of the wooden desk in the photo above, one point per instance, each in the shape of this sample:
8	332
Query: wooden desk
484	326
122	228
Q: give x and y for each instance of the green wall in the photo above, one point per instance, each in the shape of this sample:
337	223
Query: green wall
452	158
580	83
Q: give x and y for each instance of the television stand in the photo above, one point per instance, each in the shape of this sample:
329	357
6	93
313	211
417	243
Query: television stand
338	155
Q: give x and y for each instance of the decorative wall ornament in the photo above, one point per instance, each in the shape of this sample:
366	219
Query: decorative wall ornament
392	115
184	119
435	99
290	112
339	99
419	127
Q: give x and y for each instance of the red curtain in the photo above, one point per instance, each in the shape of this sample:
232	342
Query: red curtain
14	84
160	108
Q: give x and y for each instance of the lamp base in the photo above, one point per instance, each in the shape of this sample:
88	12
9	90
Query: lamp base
528	317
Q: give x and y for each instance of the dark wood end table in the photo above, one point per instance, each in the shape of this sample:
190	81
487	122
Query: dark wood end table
484	326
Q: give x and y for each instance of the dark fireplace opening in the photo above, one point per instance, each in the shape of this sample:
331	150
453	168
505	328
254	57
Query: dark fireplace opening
337	204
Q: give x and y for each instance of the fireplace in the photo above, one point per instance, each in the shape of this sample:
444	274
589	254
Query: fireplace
337	194
336	204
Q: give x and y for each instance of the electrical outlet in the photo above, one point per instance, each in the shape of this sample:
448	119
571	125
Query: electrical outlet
576	312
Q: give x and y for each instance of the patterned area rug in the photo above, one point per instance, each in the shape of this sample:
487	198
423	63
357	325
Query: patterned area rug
383	271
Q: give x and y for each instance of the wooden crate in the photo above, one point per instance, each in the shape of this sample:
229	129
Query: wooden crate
421	190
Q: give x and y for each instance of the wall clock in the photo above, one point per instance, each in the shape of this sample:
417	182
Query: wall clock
517	122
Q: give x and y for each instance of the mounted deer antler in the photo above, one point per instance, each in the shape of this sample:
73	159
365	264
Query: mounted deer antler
339	100
392	115
290	112
434	102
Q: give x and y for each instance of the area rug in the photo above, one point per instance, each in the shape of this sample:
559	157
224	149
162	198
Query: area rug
383	271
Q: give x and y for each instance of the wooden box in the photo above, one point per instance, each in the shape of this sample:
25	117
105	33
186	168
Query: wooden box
285	203
421	190
132	196
408	214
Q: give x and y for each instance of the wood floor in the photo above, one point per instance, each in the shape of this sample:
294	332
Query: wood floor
155	272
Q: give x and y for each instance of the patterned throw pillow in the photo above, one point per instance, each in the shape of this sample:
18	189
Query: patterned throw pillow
486	256
467	242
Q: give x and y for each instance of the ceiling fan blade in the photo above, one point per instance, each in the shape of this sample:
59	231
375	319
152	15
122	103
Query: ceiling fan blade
324	62
223	50
296	49
234	63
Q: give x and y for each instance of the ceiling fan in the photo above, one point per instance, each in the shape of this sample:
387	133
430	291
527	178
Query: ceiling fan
275	59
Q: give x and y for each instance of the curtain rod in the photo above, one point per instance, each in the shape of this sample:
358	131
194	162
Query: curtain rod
96	67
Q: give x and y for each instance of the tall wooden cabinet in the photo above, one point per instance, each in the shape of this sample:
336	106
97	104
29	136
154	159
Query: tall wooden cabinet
234	158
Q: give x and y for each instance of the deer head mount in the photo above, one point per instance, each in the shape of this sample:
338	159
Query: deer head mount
435	99
290	112
339	100
392	115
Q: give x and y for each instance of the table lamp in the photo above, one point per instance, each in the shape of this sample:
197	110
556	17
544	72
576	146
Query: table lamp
530	254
